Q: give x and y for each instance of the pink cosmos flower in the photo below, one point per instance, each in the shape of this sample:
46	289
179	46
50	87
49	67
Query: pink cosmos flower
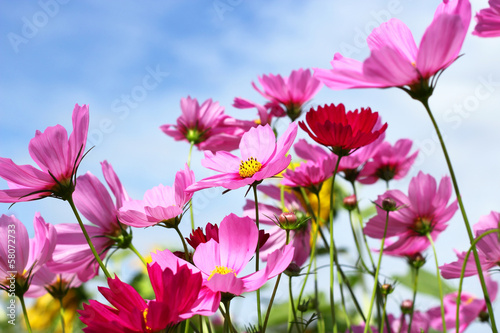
488	250
343	132
261	157
58	158
57	284
427	211
292	92
395	60
206	126
161	204
221	263
488	20
389	162
177	299
351	165
319	166
470	308
266	112
72	253
29	255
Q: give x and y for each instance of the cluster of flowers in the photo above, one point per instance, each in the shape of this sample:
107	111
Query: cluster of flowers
195	282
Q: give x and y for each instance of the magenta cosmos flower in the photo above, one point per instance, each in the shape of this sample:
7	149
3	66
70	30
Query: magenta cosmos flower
319	165
58	158
72	253
389	162
425	210
291	92
221	263
161	204
471	308
29	255
177	299
488	20
395	60
488	250
206	126
261	157
342	132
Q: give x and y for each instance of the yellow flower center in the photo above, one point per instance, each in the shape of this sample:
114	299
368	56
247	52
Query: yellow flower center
249	167
221	270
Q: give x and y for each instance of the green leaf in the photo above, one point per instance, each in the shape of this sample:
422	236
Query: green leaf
427	283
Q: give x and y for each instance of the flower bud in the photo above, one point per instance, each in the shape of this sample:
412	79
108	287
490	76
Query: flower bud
387	289
287	218
407	306
417	260
350	202
293	270
389	204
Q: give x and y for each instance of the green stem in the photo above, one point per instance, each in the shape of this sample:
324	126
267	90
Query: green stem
268	312
89	241
356	242
384	314
348	322
228	326
25	313
332	246
415	286
191	213
466	258
425	102
375	286
61	312
133	249
294	312
257	253
440	286
186	252
358	210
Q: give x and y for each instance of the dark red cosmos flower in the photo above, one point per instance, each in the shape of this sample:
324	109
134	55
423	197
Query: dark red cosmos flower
197	236
343	132
212	232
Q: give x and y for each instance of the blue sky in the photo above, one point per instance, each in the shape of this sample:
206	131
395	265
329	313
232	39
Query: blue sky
58	53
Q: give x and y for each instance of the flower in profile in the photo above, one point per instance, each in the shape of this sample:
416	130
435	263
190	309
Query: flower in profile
318	167
206	126
30	254
396	61
425	210
58	158
266	112
197	236
291	92
389	162
72	253
470	308
261	157
177	299
161	204
488	20
342	132
488	250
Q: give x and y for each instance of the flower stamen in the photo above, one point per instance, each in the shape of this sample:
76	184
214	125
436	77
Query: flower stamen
221	270
249	167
